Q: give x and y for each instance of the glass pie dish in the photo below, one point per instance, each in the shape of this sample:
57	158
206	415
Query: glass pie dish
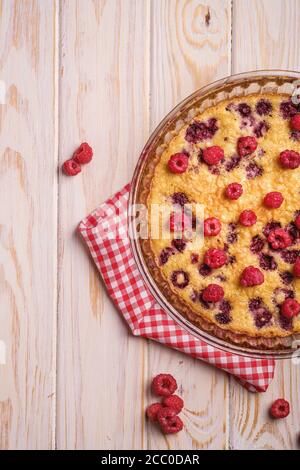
236	86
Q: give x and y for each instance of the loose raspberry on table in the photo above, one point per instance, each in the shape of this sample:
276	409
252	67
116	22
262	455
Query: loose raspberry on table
280	408
152	411
83	154
164	385
296	269
273	200
246	145
247	218
297	222
213	293
175	402
215	258
169	422
295	122
213	155
212	227
279	239
71	168
234	191
289	159
178	163
251	276
290	308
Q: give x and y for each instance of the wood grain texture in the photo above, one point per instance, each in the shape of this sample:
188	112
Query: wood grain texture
28	214
190	46
266	41
104	99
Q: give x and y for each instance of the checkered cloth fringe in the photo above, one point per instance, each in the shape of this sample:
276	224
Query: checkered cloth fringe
105	233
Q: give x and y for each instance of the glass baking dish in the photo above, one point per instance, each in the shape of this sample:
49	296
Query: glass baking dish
269	81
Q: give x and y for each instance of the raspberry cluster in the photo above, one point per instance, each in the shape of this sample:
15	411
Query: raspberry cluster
82	155
166	412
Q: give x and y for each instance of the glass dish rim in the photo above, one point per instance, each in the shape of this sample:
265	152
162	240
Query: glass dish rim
188	326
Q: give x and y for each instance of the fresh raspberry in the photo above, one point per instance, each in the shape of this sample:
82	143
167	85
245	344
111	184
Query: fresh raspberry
164	385
179	221
213	155
212	227
289	159
297	222
83	154
246	145
252	276
295	122
174	402
152	411
178	163
213	293
234	191
280	408
71	168
215	258
247	218
169	422
290	308
296	270
273	200
279	239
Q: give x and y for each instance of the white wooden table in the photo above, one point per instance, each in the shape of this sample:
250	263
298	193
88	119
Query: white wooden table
107	71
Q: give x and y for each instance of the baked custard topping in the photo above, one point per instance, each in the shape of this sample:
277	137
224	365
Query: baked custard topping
240	159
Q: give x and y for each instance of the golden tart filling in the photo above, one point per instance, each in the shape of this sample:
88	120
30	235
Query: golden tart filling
240	160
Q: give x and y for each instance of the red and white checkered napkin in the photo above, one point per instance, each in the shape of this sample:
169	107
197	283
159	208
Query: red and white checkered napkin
105	232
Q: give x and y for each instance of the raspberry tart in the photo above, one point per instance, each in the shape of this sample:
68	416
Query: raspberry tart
239	158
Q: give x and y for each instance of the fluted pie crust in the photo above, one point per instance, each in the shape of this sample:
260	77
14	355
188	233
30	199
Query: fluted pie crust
202	185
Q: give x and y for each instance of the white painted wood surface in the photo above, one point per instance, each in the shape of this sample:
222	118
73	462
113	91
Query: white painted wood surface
107	71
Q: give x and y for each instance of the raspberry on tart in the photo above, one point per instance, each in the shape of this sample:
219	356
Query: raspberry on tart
213	155
215	258
234	191
251	276
295	122
279	239
297	222
296	269
247	218
246	146
290	308
273	200
289	159
212	227
213	293
178	163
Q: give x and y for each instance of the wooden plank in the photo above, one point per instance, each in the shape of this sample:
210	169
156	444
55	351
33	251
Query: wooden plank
104	100
190	47
28	217
266	41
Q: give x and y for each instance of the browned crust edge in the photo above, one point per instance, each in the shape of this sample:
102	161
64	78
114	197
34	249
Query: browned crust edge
236	338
